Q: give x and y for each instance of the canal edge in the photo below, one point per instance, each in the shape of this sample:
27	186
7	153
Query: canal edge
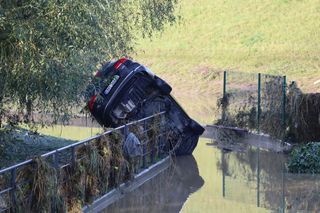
118	193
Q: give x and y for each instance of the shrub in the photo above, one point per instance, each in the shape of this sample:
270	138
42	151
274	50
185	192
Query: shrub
305	159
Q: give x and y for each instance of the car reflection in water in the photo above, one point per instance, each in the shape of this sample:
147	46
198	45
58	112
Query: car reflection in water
167	192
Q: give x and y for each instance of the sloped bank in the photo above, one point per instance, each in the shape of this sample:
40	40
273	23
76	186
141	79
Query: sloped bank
19	144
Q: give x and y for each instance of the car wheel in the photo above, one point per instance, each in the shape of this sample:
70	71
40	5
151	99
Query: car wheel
196	127
187	146
163	86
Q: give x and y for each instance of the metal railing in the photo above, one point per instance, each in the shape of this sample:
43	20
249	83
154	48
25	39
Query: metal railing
67	156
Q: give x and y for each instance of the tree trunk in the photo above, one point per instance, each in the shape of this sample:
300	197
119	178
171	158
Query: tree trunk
1	102
3	80
1	110
29	117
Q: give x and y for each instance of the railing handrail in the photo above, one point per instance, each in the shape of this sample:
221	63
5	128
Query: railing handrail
79	142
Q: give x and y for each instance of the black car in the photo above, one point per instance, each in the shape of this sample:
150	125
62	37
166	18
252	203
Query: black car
125	90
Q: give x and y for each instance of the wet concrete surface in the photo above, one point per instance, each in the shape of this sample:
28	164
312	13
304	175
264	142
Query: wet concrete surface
232	138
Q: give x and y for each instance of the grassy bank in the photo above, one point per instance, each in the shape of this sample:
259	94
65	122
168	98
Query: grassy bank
19	144
279	37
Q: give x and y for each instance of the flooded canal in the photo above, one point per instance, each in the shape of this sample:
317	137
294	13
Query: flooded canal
213	180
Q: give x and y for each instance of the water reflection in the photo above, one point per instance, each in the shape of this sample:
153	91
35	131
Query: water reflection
166	192
215	180
264	181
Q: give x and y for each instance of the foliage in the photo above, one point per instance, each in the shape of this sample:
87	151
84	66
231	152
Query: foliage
41	180
303	115
293	117
119	165
49	49
305	159
243	116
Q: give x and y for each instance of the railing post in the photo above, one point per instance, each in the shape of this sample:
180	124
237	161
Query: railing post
167	133
144	148
56	166
152	155
223	163
153	146
258	178
224	97
284	99
125	132
259	103
158	146
73	155
13	186
56	161
164	131
224	83
144	151
283	200
160	137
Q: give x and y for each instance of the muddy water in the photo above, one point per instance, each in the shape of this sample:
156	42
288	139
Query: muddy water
166	192
212	180
248	179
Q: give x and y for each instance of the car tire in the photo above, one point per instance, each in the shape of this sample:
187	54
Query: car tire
187	146
164	88
196	127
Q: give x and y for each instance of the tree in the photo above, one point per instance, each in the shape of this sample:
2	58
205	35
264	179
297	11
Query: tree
49	49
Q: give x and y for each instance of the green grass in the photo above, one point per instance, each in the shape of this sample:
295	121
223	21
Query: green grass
19	144
279	37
